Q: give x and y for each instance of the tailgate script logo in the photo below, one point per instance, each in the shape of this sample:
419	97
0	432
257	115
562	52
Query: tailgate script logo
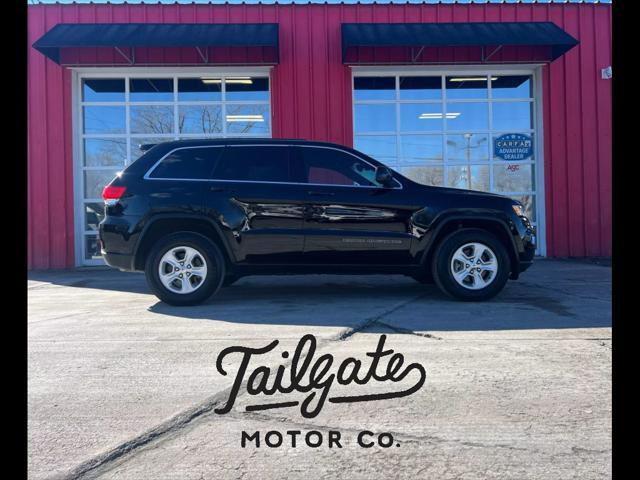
315	377
513	146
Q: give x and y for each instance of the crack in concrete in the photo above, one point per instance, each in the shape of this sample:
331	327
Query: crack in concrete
104	462
376	318
406	331
174	423
589	451
604	344
58	317
557	289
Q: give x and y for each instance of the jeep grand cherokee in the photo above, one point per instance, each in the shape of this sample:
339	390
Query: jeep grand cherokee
196	215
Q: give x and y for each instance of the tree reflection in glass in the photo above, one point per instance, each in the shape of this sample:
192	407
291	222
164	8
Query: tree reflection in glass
105	152
200	119
154	119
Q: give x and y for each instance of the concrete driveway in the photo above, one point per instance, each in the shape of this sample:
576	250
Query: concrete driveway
124	387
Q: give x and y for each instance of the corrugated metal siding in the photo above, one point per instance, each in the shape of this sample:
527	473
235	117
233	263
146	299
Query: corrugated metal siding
311	92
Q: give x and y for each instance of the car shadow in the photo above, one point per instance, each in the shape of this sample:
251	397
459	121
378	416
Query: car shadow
344	300
322	302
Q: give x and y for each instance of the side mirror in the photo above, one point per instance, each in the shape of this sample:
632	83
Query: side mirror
384	176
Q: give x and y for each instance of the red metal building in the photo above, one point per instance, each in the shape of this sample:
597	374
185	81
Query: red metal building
88	101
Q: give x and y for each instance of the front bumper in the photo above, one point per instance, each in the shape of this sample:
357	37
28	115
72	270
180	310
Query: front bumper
526	247
522	266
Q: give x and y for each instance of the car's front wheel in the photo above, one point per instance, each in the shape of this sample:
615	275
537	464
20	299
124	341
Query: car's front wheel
471	265
184	268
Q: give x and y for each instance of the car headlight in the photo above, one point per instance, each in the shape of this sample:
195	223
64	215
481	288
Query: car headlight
519	209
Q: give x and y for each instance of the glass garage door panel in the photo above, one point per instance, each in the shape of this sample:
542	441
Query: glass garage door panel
374	88
439	129
247	119
105	152
469	147
375	118
421	149
151	119
420	88
151	90
118	115
202	119
382	147
103	90
104	119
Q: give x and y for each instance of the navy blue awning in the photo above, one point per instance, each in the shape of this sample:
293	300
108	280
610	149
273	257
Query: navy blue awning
473	34
199	35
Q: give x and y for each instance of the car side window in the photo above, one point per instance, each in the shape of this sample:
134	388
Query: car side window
187	164
253	164
328	166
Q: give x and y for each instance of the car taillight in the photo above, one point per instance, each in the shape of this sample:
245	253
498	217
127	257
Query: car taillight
111	194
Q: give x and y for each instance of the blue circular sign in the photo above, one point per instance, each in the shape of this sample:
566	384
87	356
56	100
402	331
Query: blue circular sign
513	146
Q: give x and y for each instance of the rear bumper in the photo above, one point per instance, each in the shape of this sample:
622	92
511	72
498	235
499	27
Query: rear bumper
118	260
118	236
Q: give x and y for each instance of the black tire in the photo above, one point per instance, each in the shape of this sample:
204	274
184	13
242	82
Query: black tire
208	250
442	260
229	280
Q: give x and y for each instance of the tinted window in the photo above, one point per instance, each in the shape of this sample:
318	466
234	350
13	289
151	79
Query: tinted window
254	163
151	89
511	86
188	163
420	88
467	86
199	89
247	88
103	90
326	166
374	88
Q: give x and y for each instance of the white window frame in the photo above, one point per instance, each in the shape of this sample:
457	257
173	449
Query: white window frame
535	70
78	74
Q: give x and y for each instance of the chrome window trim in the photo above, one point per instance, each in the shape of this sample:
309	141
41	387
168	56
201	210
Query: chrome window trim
153	167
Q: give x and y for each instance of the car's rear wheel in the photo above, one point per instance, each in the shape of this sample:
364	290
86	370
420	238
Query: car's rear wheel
471	265
184	268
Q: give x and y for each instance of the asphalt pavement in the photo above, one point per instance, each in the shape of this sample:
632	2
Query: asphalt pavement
122	386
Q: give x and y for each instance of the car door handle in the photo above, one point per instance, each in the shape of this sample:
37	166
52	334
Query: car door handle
320	194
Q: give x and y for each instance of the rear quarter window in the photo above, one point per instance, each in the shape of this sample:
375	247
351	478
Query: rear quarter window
188	164
254	164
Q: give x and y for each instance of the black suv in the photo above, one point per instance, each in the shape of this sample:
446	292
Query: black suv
196	215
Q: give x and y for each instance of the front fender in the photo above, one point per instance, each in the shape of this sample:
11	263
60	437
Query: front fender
428	235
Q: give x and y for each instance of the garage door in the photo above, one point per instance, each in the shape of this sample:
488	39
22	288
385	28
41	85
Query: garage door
118	113
462	129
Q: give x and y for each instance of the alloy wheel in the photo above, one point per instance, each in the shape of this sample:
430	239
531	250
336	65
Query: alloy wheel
182	270
474	266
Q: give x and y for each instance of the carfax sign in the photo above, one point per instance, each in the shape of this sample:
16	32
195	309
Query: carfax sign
513	146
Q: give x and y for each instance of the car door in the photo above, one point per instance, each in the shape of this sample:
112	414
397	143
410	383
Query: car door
251	194
349	218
